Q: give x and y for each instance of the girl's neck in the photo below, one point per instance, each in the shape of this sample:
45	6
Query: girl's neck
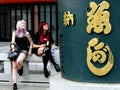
44	32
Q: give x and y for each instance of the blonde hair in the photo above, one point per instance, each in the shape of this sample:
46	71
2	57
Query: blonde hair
19	25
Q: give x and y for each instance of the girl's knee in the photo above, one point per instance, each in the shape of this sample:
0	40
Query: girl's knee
40	51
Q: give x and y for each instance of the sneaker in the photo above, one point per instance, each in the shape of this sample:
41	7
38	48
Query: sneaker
14	86
46	73
20	72
57	68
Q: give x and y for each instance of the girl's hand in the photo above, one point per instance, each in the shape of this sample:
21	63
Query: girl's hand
13	49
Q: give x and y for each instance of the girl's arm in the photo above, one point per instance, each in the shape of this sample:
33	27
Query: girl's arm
38	46
12	45
30	41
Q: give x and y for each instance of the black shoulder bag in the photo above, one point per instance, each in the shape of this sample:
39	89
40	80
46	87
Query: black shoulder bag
12	55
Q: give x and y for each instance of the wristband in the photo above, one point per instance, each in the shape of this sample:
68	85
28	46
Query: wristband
12	44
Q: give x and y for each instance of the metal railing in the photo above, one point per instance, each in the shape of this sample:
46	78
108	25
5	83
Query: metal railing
9	14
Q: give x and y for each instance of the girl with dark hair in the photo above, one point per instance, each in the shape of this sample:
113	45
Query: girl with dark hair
42	42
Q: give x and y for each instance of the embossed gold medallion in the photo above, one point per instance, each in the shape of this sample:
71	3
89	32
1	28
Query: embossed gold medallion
100	59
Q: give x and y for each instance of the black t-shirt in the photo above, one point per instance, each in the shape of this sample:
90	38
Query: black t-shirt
22	43
37	38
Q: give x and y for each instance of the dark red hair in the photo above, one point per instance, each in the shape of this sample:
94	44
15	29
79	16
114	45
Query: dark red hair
41	26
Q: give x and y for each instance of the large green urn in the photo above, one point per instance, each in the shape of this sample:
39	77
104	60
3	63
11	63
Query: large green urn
90	40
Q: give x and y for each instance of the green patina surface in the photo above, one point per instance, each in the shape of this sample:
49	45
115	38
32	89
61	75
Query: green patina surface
74	41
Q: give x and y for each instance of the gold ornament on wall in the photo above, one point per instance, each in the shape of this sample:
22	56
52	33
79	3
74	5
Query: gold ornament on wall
98	18
68	18
100	59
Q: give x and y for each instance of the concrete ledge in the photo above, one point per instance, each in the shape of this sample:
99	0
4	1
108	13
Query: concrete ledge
6	63
32	63
34	58
59	83
3	56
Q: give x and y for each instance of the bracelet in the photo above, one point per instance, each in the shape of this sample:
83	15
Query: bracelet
31	45
30	49
12	44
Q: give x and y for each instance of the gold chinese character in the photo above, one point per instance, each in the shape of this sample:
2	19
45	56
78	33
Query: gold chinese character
98	18
68	17
100	59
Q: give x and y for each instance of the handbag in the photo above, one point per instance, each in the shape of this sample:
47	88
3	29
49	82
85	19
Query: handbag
12	55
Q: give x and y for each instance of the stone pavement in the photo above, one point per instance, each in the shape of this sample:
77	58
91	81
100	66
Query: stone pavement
4	44
24	86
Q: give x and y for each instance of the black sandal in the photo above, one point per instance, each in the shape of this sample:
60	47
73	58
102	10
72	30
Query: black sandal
14	86
46	73
57	68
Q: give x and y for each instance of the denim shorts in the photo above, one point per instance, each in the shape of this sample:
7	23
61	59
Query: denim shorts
35	50
24	51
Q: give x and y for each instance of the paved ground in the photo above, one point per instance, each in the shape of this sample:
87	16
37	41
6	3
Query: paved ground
4	44
25	85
